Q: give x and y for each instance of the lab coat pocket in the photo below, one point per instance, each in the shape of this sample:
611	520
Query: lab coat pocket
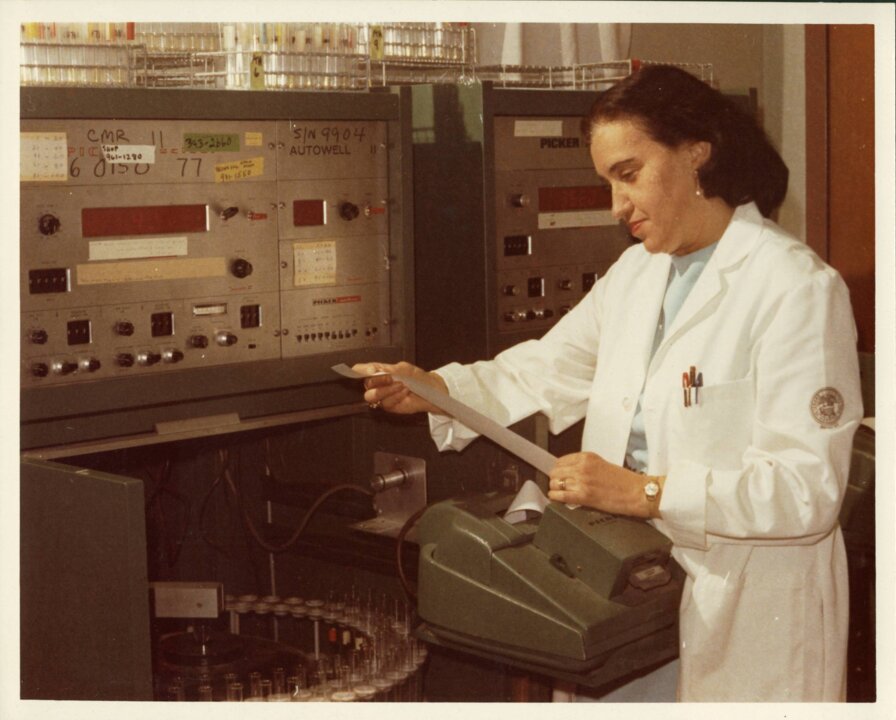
754	632
718	425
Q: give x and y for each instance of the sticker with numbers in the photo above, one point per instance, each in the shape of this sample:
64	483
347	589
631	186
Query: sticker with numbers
314	263
44	157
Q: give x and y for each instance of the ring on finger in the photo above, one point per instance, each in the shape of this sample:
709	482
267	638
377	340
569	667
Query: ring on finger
562	484
374	405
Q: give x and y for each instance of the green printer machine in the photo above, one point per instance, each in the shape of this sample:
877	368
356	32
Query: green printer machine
577	594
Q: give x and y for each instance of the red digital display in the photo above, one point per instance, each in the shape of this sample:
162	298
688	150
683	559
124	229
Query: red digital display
309	212
566	199
145	220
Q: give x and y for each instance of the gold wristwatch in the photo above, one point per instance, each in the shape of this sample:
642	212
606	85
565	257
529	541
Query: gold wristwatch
652	491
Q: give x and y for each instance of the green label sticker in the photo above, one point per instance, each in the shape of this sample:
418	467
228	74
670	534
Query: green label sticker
211	142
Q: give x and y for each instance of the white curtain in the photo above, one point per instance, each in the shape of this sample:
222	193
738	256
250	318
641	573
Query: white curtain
555	44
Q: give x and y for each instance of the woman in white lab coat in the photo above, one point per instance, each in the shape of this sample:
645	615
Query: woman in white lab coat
743	461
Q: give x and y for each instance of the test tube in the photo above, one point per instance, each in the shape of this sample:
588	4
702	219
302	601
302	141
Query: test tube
343	691
254	685
315	610
278	680
296	689
235	692
228	43
175	691
27	53
205	693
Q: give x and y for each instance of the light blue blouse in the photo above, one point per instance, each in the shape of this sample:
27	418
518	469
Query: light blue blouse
683	274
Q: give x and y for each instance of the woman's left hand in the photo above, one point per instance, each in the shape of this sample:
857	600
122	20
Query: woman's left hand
585	478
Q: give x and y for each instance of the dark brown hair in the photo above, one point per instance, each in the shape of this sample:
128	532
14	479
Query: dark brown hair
675	107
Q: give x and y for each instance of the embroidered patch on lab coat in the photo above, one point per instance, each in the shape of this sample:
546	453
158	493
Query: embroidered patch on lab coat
827	407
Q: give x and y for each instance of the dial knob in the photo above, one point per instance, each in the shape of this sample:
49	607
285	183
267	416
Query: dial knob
48	224
123	327
348	211
241	268
225	338
90	365
515	315
198	341
125	359
228	213
148	358
539	314
565	284
520	200
65	367
172	356
510	290
38	337
40	369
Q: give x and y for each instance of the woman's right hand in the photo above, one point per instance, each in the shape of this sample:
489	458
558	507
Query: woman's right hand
383	388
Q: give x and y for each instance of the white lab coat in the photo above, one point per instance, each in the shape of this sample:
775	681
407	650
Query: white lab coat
754	481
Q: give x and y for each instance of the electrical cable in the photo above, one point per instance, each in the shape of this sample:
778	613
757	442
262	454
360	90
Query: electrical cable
302	524
399	543
171	548
202	508
225	455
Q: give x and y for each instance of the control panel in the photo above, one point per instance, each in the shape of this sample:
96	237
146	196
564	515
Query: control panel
554	230
155	245
512	224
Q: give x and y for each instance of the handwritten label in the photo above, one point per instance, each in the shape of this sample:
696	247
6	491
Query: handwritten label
256	72
314	263
141	248
43	156
253	139
377	44
239	170
318	139
129	154
210	142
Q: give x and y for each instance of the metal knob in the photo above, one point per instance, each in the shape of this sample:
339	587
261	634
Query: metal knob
48	224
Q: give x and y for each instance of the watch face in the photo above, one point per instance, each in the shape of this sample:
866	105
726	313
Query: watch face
652	489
